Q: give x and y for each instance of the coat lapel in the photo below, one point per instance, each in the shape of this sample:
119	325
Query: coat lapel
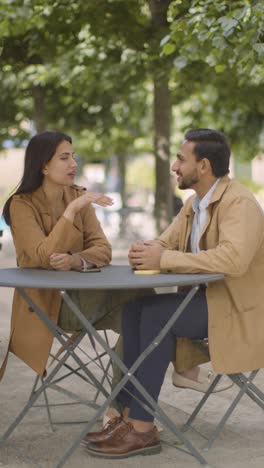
39	200
188	226
217	194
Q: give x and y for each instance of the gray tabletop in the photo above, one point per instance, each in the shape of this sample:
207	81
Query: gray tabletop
110	277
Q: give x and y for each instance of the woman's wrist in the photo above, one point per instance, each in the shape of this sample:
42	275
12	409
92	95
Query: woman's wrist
76	262
69	214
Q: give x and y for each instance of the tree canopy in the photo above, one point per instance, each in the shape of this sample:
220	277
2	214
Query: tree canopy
114	73
218	67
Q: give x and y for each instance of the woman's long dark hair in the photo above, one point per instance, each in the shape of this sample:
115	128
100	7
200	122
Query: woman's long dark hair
41	148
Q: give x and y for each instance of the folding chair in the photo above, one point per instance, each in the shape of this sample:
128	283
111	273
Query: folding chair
69	348
245	385
95	360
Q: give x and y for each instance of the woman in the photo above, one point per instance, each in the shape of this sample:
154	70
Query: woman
54	226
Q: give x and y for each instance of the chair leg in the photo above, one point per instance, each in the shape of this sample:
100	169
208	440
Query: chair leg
250	389
48	409
35	395
103	379
191	418
97	360
34	385
224	419
46	404
21	415
246	387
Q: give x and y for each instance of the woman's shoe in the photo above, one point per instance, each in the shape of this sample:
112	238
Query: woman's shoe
205	378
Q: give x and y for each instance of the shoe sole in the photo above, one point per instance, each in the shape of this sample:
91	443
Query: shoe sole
145	451
216	390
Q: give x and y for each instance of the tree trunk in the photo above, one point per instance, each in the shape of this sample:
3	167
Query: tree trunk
162	113
163	194
39	117
121	161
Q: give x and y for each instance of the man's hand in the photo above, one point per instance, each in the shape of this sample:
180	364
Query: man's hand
63	261
145	255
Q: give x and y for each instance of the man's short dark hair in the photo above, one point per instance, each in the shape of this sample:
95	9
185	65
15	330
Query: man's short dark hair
213	145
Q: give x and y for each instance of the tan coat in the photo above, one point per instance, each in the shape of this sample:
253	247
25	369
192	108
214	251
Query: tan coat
36	235
232	243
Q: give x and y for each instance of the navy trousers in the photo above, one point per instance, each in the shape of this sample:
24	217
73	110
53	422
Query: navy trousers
142	321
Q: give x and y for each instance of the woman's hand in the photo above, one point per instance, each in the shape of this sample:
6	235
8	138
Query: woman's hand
65	262
89	197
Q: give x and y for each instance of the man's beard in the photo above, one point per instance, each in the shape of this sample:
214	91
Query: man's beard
188	181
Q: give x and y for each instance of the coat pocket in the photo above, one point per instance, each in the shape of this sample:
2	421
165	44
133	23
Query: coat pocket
251	326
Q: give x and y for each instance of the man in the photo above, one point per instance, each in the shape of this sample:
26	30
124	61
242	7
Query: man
220	229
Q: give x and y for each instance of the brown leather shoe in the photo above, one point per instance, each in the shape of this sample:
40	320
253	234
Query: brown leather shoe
126	442
107	431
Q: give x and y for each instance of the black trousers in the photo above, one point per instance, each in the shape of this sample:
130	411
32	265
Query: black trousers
142	321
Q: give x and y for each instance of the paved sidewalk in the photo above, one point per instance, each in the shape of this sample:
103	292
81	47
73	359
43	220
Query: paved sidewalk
34	445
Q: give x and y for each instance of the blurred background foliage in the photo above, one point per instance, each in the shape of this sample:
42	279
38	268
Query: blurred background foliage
130	77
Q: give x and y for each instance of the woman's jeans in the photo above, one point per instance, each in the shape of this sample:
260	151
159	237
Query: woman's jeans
142	321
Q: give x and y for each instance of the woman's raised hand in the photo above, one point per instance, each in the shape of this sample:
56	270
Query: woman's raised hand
88	197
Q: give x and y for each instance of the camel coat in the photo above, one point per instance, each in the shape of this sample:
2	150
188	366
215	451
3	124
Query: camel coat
36	235
232	243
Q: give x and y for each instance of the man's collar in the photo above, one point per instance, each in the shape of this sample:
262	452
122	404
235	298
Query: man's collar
220	189
202	203
217	194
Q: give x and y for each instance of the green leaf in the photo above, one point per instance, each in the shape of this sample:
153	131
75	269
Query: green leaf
220	68
168	49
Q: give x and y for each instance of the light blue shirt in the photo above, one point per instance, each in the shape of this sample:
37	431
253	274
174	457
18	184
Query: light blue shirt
199	206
